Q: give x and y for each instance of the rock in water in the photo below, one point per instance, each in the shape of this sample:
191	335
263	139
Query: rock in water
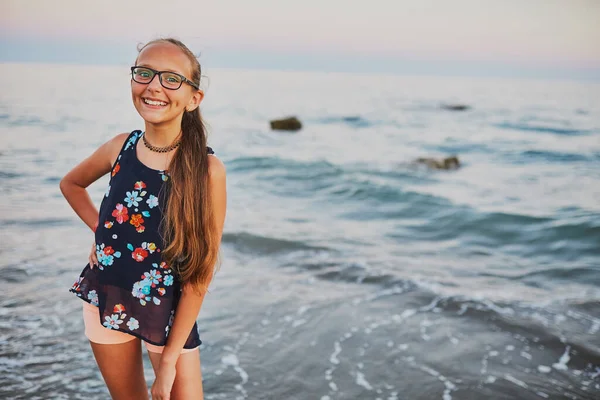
456	107
446	163
286	124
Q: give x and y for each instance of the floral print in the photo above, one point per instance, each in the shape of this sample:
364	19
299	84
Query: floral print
93	297
152	201
132	285
139	185
106	255
116	169
133	324
113	321
139	254
132	198
120	213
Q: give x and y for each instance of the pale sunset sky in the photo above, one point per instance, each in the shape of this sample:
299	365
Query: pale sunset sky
547	38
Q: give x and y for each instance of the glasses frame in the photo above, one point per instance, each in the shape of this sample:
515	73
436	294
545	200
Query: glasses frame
159	73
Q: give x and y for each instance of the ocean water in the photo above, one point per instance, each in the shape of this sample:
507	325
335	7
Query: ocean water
348	272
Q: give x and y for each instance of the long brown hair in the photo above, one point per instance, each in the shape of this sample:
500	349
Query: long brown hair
188	226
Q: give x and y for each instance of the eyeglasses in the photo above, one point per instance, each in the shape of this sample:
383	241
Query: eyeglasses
168	80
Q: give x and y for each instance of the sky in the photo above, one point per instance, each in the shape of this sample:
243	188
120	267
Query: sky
549	38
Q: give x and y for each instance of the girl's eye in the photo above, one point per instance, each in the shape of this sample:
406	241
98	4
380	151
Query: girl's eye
143	74
173	79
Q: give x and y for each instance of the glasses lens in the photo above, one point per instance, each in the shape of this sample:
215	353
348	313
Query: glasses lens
171	80
142	75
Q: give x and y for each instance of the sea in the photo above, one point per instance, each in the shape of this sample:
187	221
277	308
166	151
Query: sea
348	270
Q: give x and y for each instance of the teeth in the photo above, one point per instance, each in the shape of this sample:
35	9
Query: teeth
155	103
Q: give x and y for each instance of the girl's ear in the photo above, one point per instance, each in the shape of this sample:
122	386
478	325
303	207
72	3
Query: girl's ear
195	101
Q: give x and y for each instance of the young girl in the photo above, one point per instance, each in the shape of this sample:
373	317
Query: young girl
157	233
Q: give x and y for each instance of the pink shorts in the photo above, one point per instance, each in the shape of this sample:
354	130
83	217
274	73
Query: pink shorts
97	333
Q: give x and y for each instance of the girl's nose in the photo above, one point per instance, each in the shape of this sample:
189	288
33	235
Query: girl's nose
154	83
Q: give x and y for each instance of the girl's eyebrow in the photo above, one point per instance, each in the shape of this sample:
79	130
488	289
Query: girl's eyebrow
165	70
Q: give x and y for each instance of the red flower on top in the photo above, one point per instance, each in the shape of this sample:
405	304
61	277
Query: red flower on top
136	220
108	250
120	213
139	254
119	308
139	185
116	169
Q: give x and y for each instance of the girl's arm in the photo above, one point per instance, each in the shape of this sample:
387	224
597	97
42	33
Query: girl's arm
190	302
73	185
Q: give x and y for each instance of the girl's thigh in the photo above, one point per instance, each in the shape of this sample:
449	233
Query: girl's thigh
188	380
122	368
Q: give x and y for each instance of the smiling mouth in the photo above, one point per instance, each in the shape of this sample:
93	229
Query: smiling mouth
154	102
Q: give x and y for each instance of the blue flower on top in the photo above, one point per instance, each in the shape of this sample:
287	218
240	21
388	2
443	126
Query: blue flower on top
152	201
132	198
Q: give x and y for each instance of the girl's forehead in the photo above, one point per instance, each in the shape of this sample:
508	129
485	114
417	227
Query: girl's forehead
164	57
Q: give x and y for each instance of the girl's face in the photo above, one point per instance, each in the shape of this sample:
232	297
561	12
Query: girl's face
156	104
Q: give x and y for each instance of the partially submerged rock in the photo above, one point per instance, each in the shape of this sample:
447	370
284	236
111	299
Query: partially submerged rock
455	107
445	163
286	124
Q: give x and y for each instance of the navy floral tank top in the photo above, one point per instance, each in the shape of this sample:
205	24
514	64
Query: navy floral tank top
134	290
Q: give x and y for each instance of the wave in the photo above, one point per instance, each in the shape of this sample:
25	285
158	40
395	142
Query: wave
245	242
542	129
550	277
553	156
354	121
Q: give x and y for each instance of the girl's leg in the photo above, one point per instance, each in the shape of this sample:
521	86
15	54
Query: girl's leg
188	381
122	368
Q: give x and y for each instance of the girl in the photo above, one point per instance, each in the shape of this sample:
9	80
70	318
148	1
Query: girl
157	233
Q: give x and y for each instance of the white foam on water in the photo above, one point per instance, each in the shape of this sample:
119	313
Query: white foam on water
498	309
543	395
510	347
563	360
526	355
298	322
231	360
484	364
490	379
333	386
303	309
361	381
390	344
403	346
544	369
405	314
514	380
325	398
431	305
595	327
449	386
337	349
360	365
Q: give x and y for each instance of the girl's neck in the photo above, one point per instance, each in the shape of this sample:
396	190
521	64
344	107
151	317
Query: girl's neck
161	136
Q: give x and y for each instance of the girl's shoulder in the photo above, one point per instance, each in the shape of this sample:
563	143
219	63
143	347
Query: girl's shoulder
216	168
116	145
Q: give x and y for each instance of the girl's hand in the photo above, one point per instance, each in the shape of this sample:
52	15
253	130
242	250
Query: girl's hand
161	388
93	259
